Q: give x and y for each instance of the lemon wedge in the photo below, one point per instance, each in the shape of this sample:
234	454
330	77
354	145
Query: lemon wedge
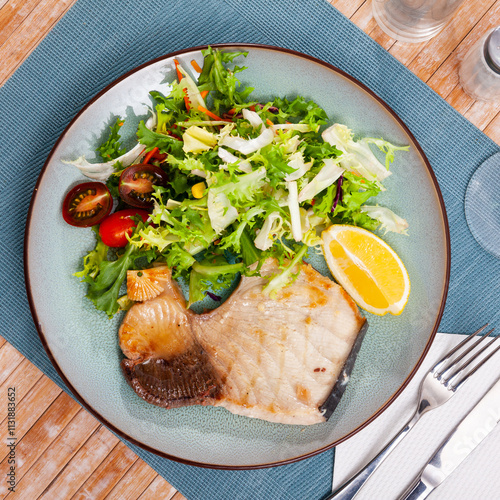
367	267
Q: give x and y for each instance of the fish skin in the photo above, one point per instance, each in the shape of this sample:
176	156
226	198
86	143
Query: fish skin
276	359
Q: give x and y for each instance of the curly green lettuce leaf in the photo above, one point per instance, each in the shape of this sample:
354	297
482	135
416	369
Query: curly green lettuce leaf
221	80
104	289
211	275
307	112
92	261
165	143
288	275
111	148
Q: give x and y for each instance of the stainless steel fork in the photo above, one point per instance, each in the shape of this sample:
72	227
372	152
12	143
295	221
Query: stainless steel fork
439	385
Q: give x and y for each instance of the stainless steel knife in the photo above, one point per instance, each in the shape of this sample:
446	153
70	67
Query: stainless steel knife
480	421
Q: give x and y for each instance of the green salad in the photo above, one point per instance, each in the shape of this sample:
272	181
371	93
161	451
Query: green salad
221	181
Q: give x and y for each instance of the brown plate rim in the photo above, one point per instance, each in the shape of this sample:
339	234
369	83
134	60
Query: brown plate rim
88	407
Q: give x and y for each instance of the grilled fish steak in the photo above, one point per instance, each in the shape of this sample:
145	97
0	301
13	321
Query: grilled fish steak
284	359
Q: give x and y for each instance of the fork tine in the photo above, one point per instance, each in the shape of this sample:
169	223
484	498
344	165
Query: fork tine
456	375
455	363
468	338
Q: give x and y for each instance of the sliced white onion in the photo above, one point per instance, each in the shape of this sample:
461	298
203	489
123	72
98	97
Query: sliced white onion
297	162
248	146
265	238
101	171
251	116
199	173
220	210
290	144
299	127
325	178
228	157
387	218
293	205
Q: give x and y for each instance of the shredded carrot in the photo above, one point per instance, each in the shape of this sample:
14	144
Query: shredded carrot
231	111
204	93
179	77
212	115
150	155
196	66
186	99
269	122
179	74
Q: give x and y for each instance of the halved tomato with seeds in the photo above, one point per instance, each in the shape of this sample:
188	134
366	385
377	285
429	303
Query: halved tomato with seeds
136	184
87	204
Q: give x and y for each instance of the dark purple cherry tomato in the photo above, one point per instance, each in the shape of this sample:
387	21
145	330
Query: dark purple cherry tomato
114	228
136	184
87	204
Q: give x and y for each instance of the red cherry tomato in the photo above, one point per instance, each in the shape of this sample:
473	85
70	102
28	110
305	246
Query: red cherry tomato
136	184
114	228
87	204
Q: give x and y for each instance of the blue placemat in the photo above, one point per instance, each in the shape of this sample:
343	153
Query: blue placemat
98	41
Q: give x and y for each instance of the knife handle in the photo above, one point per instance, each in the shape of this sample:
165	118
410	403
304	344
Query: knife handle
417	490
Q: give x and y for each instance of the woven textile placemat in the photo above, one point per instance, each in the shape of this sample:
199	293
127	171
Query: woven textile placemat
98	41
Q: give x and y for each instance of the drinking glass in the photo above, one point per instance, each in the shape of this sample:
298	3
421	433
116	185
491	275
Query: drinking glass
482	205
480	69
413	20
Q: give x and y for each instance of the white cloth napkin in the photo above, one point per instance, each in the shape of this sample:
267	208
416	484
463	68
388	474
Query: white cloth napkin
478	477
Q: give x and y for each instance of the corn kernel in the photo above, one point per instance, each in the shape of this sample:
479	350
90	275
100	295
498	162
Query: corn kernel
198	190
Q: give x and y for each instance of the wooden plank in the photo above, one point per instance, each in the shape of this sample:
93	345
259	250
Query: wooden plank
481	113
111	470
82	465
10	358
23	378
39	438
179	496
133	483
13	14
159	488
363	18
348	7
65	445
26	37
29	410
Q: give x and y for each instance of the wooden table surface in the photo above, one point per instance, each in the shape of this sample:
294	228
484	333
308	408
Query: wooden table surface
63	452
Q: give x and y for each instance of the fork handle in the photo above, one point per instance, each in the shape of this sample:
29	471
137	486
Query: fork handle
351	488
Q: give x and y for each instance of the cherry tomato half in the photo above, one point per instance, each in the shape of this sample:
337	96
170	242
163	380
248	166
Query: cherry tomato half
136	184
87	204
115	227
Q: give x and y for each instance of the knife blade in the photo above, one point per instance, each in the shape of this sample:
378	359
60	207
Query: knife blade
464	438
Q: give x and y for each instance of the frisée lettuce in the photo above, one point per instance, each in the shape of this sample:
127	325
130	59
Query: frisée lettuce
248	180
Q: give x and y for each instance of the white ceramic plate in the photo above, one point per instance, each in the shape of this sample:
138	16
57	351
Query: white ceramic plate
83	344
